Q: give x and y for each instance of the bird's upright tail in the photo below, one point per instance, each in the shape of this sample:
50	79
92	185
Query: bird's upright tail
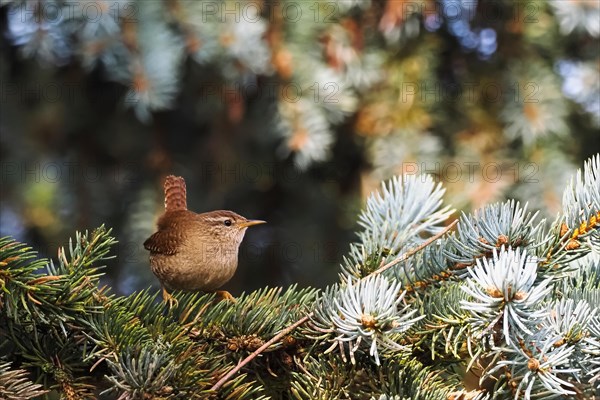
175	194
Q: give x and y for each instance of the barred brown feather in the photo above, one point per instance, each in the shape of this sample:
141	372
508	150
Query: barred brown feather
175	194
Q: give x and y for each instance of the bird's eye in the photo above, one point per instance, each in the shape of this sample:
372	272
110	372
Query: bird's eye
227	222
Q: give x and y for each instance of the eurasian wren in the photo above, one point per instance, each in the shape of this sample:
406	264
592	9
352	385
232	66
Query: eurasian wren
193	251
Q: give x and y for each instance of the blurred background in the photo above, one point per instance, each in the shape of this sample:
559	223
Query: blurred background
287	111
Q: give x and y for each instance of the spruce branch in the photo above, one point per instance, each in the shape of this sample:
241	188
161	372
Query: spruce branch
541	330
446	330
567	321
15	384
574	234
593	350
581	203
310	315
44	315
415	250
490	228
505	288
155	60
258	351
370	311
537	369
408	209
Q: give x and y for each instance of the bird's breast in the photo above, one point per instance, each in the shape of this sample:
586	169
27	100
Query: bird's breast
196	266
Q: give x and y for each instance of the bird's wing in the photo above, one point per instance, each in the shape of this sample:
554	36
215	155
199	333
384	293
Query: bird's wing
163	242
172	228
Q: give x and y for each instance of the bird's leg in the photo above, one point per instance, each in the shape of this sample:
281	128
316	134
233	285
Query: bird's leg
224	295
168	298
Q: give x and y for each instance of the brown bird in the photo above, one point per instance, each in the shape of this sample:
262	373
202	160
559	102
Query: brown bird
193	251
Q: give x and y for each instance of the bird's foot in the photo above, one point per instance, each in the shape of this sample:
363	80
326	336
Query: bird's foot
168	298
225	295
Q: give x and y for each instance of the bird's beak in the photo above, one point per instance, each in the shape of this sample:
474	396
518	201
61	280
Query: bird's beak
251	222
